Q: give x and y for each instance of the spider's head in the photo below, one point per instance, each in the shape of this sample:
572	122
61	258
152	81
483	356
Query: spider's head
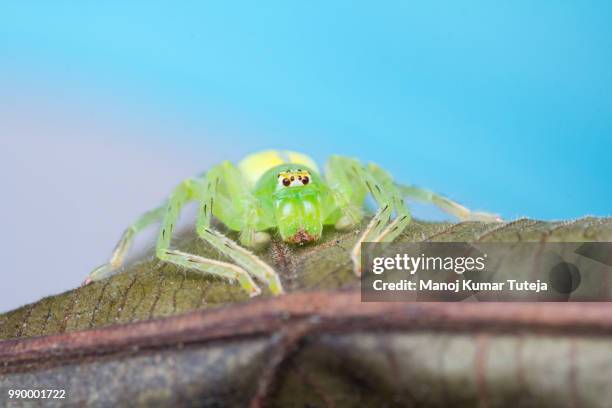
297	206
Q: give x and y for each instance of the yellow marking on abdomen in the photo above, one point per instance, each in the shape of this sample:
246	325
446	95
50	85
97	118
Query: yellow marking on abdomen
255	165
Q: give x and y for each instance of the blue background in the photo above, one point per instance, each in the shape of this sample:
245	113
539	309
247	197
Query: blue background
503	106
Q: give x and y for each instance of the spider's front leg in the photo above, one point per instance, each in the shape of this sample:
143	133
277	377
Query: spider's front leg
225	174
187	191
388	197
351	182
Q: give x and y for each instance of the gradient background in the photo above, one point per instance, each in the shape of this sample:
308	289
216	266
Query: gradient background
503	106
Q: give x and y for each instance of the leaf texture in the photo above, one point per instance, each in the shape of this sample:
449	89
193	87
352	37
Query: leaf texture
317	346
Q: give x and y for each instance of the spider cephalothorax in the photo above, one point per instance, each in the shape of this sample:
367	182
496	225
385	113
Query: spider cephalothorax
279	191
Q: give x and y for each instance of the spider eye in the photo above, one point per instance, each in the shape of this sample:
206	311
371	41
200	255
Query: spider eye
286	182
305	180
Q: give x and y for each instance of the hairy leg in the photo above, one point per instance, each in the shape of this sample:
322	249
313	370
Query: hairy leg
123	246
218	178
381	228
448	206
357	180
186	191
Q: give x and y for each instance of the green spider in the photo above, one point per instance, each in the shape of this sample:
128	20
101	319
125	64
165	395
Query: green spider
282	191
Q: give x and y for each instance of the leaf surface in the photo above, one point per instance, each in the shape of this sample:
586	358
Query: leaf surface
319	345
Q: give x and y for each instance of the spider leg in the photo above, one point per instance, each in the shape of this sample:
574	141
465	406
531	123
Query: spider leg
350	182
448	206
187	191
381	228
123	246
237	208
347	196
243	257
